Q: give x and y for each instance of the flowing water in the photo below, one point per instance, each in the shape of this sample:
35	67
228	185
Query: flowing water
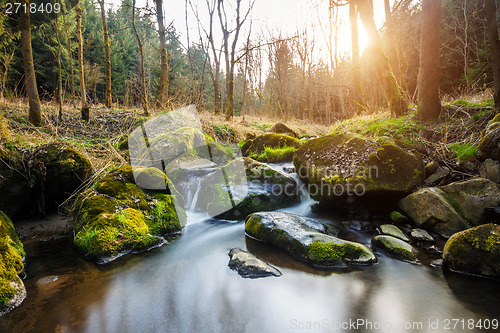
186	286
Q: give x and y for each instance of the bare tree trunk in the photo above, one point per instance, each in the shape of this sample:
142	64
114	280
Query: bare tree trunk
163	100
70	56
83	94
59	70
394	92
357	92
107	100
35	113
490	11
143	75
6	60
429	104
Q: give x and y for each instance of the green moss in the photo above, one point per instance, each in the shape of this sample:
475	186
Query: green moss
324	252
224	133
397	217
463	102
464	151
166	217
275	155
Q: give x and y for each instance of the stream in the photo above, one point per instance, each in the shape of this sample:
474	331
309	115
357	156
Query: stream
186	286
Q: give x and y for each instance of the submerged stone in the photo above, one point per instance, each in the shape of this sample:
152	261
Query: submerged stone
391	230
421	235
249	266
305	239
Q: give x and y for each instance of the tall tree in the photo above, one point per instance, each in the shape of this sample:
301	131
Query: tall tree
164	73
381	61
429	104
83	94
490	10
230	54
143	74
59	70
70	56
356	67
107	94
35	113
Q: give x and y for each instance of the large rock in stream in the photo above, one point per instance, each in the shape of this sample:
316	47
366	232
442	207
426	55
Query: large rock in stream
454	207
117	216
245	186
489	146
474	251
12	290
306	240
349	165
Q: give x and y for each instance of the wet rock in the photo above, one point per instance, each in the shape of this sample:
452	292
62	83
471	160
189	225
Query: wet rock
490	169
59	170
391	230
245	186
13	184
437	263
12	290
440	174
428	207
430	168
337	164
249	266
304	239
474	251
421	235
281	128
489	145
394	247
116	216
359	225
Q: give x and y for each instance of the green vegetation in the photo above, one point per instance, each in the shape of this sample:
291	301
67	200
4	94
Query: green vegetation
464	151
462	102
274	155
224	132
261	126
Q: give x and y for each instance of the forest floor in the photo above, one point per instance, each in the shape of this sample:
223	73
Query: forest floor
452	141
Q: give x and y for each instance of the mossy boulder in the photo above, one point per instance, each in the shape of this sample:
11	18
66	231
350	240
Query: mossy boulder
249	266
306	240
279	144
12	290
394	247
341	166
281	128
454	207
474	251
428	208
489	146
14	185
117	216
245	186
59	170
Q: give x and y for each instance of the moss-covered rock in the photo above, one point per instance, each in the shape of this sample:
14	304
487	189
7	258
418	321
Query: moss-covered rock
116	216
14	185
489	146
454	207
249	266
245	186
394	247
391	230
12	290
279	147
474	251
281	128
428	208
304	239
397	217
335	165
59	170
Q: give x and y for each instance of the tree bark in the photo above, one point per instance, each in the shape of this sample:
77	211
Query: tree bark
429	104
143	75
59	70
107	99
83	94
163	98
490	10
394	92
70	58
35	112
357	92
